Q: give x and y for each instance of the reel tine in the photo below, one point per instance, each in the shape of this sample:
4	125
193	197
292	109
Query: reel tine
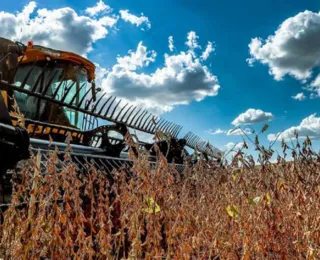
129	116
76	94
67	92
163	126
130	124
170	130
115	108
121	111
88	104
97	103
199	144
83	98
34	87
195	141
121	120
57	89
187	136
109	106
135	123
141	120
192	140
24	82
103	106
177	131
145	121
166	126
152	120
49	83
156	126
174	129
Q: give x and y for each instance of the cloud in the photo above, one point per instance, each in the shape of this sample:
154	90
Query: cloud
310	126
135	20
314	87
135	60
233	146
56	28
182	78
171	46
216	132
100	7
239	131
236	131
252	116
293	49
209	49
192	42
299	96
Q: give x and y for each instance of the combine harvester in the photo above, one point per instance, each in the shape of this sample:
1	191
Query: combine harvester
56	94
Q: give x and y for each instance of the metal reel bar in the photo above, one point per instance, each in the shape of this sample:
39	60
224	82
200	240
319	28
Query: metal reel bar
196	143
140	120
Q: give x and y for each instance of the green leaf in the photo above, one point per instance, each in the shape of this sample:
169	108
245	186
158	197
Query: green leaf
152	206
254	201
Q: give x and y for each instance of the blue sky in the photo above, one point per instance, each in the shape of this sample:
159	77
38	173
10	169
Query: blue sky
230	26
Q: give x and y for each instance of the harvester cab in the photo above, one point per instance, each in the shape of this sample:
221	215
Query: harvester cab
63	74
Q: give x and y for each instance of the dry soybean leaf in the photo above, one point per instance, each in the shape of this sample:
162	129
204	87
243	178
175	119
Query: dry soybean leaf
246	256
281	184
233	211
265	128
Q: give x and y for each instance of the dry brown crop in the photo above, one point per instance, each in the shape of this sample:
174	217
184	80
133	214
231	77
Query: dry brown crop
241	211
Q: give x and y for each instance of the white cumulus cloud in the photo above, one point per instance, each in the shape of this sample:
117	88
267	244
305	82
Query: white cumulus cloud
252	116
209	49
314	88
181	79
216	132
100	7
293	49
299	96
233	146
236	131
239	131
310	126
171	44
136	59
135	20
61	28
